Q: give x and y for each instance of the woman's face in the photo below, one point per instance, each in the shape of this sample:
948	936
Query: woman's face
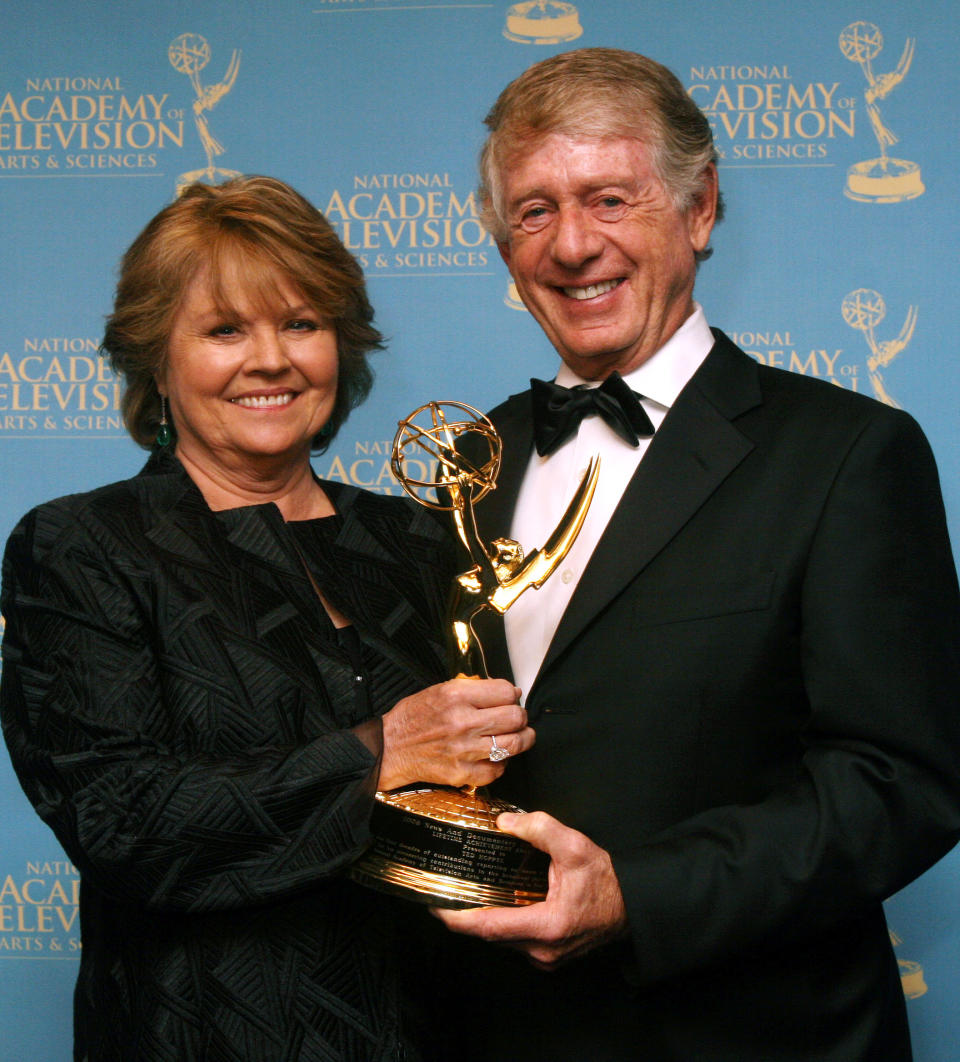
249	386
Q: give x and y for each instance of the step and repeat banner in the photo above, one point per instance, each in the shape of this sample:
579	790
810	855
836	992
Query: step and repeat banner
837	129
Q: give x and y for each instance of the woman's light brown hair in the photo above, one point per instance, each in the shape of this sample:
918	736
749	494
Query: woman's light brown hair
269	231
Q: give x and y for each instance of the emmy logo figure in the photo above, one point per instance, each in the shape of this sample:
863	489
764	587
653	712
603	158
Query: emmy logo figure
863	310
189	54
886	179
439	844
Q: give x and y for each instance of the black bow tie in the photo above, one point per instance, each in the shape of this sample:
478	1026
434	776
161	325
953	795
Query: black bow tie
557	411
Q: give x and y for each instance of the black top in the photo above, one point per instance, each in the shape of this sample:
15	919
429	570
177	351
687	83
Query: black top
181	711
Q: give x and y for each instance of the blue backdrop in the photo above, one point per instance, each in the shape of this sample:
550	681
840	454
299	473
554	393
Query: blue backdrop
836	123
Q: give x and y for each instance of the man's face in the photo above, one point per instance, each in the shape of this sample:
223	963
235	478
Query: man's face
600	255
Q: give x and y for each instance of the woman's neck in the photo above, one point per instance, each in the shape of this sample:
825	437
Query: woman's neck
292	488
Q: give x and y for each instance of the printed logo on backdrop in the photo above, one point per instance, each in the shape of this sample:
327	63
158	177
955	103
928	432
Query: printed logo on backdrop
63	124
911	973
527	22
58	386
336	7
786	349
768	115
189	54
542	22
411	224
512	298
369	467
863	310
39	905
884	179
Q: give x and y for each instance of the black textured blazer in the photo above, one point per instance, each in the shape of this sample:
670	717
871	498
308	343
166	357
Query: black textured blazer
180	711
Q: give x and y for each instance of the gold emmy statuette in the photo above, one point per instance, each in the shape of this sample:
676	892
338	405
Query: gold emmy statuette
884	179
439	844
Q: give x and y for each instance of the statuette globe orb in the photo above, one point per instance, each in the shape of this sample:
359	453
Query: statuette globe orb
425	454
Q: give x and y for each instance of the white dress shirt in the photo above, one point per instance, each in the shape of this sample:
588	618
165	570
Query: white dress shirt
549	484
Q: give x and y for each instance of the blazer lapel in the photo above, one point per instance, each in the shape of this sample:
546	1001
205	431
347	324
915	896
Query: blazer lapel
693	452
375	571
251	550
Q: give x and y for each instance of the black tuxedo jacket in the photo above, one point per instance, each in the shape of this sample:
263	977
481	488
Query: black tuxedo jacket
180	712
751	703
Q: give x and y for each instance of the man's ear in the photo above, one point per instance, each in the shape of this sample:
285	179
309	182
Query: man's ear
702	213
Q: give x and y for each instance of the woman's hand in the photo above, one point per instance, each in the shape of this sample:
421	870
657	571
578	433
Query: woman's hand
442	734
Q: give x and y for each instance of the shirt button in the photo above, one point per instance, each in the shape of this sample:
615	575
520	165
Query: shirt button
567	576
358	678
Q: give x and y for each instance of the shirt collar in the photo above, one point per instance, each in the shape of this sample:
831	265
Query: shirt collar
662	377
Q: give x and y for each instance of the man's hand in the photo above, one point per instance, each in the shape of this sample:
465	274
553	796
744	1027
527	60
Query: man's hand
583	909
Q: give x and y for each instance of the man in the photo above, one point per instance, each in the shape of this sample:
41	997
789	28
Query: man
744	680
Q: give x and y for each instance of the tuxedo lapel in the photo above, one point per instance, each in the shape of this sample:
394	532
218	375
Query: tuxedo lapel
494	512
692	453
515	427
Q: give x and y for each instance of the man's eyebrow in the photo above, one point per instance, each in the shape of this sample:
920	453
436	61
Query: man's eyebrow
531	193
626	184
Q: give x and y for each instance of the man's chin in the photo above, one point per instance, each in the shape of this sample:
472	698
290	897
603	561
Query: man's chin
596	363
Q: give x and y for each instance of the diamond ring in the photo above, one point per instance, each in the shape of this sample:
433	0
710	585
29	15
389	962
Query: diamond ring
497	752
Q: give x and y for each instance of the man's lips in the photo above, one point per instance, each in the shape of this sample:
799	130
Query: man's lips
591	291
264	401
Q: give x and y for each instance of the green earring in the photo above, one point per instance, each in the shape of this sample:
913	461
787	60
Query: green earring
164	435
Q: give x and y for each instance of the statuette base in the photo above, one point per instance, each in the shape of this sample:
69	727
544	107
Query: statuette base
441	846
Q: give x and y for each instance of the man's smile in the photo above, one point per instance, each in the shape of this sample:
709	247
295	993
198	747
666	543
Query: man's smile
592	290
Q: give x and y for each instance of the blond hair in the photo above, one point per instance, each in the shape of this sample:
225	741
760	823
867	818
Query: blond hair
604	93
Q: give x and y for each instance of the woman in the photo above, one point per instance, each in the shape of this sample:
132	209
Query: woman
209	669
